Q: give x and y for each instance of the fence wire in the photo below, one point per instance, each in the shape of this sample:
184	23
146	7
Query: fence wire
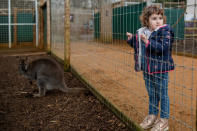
100	54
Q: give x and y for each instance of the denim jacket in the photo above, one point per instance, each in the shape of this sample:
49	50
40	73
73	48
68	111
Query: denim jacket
156	55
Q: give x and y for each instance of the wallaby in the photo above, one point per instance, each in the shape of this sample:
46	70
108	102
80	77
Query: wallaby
48	75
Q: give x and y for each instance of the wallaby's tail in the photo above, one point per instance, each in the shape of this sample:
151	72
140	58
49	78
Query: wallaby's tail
73	90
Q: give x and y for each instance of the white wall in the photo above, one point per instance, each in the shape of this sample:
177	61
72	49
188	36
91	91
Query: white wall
191	10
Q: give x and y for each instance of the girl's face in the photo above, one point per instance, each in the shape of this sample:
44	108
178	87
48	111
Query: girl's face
155	21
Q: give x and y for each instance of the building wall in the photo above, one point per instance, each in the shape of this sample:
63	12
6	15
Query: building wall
81	23
191	11
106	23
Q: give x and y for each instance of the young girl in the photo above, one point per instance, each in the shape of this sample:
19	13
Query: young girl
153	48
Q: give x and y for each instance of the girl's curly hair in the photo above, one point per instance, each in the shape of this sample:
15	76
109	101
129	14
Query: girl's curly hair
148	11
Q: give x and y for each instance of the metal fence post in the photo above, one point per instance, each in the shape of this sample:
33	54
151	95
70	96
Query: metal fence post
9	23
37	27
67	35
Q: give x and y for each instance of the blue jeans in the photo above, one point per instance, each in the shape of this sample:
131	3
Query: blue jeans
157	88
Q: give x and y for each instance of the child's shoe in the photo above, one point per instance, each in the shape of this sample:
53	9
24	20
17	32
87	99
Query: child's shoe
161	125
148	121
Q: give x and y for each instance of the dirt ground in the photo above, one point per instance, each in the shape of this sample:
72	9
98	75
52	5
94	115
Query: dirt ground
56	111
109	68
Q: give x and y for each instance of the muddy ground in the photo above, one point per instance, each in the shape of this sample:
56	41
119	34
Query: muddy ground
19	111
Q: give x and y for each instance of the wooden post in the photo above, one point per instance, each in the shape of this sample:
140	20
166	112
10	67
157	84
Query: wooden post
67	35
122	2
34	36
48	26
41	23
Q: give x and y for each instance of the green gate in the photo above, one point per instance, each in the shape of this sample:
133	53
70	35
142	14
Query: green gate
45	26
126	19
25	32
97	25
4	32
175	18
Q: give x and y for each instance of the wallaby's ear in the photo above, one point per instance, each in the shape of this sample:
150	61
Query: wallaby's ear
18	57
26	60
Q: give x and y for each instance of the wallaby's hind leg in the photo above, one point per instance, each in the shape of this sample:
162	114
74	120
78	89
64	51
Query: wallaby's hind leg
42	88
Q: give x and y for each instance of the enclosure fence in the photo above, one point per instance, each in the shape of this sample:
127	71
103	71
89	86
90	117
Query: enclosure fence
101	56
18	23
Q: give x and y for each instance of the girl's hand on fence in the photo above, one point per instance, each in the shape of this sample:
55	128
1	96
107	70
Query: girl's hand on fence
144	38
129	35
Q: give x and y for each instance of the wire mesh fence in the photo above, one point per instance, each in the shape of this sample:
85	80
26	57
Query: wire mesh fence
57	27
18	23
101	55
